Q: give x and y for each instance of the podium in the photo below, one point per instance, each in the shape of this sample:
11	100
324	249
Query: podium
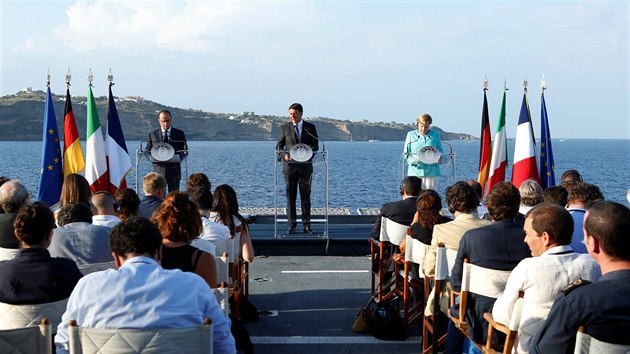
319	160
446	162
143	154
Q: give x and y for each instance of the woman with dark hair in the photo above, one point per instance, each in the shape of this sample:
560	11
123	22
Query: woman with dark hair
198	179
225	212
128	203
75	189
428	214
179	222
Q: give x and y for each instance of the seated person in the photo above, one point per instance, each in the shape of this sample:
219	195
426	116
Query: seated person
13	195
128	203
557	195
141	294
580	196
212	231
226	212
497	246
154	188
553	265
104	209
602	306
77	239
33	276
198	179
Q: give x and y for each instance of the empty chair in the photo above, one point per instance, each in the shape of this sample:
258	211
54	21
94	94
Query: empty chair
27	340
189	340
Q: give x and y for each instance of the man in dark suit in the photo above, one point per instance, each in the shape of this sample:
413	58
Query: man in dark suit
171	171
297	131
499	246
400	211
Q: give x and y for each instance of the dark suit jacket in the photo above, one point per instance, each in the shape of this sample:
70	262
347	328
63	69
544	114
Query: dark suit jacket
287	139
496	246
400	211
177	139
7	237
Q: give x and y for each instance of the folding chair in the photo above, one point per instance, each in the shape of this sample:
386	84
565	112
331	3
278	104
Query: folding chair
415	252
222	295
95	267
19	316
190	340
510	330
27	340
585	344
392	233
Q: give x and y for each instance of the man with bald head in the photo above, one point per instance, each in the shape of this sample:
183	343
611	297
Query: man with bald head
13	195
104	209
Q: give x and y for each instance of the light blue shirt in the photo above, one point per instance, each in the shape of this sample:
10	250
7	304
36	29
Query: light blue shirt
413	143
577	240
141	294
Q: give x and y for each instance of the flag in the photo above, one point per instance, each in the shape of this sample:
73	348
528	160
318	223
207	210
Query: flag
524	148
485	148
547	167
118	161
498	163
72	154
51	177
96	164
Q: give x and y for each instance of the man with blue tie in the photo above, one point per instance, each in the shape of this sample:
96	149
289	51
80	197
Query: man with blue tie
177	139
297	131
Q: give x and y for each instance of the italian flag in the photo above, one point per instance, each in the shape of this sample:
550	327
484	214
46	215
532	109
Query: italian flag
498	164
96	163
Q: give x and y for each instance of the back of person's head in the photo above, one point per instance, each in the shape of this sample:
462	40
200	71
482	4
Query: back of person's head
226	205
609	223
531	193
178	218
13	195
557	195
75	189
128	203
429	205
3	180
582	192
476	187
203	197
461	197
135	235
33	224
74	212
411	185
198	179
154	184
103	203
298	107
553	219
570	175
503	201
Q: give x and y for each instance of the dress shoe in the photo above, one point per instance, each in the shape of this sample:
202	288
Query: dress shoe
291	230
308	230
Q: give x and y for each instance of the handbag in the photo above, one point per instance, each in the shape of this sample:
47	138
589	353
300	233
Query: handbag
361	323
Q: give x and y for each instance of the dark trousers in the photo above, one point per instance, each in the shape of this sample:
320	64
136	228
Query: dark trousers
294	177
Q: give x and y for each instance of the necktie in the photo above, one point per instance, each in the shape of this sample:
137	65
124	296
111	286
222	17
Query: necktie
165	137
297	134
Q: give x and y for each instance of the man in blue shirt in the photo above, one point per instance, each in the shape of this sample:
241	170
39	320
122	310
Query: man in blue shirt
141	294
603	306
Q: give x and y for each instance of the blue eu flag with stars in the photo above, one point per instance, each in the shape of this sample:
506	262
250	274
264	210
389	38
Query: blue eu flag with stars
51	177
547	176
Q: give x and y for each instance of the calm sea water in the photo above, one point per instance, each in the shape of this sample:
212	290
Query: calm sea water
360	174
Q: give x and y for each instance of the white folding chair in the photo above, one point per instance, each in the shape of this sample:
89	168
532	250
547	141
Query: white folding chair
223	264
222	295
27	340
19	316
95	267
7	253
415	252
510	329
392	231
189	340
585	344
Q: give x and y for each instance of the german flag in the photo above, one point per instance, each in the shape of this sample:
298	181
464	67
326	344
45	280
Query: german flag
72	155
485	149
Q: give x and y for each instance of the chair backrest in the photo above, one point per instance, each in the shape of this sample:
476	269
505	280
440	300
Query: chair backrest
444	261
88	268
222	295
19	316
585	344
7	253
392	231
27	340
415	251
223	268
484	281
204	245
222	246
190	340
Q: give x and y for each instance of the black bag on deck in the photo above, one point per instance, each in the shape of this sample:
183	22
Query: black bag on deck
386	323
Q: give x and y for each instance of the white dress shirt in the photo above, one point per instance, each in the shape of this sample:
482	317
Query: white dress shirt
541	279
105	220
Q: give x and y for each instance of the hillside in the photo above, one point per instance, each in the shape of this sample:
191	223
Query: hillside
21	119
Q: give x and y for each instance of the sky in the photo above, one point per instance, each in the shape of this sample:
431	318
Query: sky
356	60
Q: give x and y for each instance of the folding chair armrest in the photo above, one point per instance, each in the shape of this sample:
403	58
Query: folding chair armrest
494	324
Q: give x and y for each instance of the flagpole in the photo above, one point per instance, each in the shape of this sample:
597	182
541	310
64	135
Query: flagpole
68	78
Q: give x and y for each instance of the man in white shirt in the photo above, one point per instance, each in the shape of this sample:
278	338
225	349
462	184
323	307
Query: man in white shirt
104	209
141	294
554	265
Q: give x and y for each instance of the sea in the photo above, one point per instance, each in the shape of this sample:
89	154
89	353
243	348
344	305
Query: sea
347	174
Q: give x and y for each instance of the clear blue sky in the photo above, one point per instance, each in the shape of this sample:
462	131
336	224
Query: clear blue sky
374	60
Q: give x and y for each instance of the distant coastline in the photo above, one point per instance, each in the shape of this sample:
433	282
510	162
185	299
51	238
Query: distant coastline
21	119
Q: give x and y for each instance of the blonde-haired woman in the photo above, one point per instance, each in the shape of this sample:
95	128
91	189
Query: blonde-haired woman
416	140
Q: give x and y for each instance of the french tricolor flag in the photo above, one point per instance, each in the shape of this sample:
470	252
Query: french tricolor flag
118	161
524	148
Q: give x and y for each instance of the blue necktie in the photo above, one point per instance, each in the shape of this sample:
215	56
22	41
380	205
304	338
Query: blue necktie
165	137
297	134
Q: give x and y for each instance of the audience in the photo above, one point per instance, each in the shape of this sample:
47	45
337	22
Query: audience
77	239
104	209
226	212
570	176
3	180
212	231
602	307
13	195
581	194
128	203
198	179
531	194
557	195
482	211
33	276
75	189
141	294
554	264
400	211
179	223
497	246
154	188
